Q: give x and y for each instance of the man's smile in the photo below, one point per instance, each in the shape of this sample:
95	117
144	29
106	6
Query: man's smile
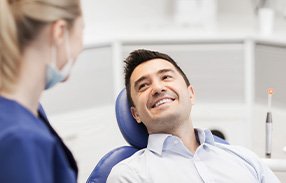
162	101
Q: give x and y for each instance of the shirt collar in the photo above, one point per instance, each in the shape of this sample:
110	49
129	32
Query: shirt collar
204	136
157	142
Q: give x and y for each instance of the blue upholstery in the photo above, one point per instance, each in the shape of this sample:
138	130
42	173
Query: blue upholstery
135	134
104	166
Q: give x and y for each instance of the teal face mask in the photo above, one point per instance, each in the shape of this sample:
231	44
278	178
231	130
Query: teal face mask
53	74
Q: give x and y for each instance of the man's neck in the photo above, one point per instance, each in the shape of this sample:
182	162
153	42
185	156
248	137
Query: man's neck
188	136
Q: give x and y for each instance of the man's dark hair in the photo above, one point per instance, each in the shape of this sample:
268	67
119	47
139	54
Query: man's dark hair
140	56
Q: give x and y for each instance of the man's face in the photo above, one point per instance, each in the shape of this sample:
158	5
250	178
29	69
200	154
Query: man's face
162	100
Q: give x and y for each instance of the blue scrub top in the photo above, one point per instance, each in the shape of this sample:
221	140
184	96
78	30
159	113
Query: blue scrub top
30	149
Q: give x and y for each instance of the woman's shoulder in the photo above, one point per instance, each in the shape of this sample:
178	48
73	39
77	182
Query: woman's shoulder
27	136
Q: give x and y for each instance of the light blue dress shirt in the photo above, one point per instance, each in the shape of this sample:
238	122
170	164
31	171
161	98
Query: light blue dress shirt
167	160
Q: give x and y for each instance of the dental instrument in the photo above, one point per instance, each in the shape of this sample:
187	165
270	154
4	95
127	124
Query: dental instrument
268	147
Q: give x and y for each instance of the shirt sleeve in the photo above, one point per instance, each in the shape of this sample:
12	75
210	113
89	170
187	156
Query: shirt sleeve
121	173
265	173
26	157
268	175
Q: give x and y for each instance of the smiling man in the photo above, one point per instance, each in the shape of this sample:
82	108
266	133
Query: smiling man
161	98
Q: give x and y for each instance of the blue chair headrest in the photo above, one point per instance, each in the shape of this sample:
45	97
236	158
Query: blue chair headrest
135	134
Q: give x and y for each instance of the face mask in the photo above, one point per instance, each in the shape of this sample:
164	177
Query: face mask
53	74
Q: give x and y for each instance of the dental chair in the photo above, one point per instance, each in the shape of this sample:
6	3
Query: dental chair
135	134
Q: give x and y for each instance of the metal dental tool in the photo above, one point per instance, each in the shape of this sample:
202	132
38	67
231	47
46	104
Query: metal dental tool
268	147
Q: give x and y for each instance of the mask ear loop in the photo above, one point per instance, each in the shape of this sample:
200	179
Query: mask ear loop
67	68
67	45
53	57
53	75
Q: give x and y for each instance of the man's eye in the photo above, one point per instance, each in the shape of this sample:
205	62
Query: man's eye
142	86
166	77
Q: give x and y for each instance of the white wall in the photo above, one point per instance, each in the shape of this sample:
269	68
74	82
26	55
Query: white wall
104	11
106	16
109	12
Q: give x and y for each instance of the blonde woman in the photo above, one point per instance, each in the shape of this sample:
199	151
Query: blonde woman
39	41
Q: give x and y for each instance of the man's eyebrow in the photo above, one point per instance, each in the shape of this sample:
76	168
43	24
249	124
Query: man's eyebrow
145	77
165	70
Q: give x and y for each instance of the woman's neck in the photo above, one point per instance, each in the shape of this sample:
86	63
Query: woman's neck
24	98
30	82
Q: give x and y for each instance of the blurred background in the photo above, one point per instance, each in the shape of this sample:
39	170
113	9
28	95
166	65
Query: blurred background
232	51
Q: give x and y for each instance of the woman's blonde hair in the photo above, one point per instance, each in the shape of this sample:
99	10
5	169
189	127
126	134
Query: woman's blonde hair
20	23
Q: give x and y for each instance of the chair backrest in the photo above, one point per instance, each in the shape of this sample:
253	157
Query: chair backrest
104	166
135	134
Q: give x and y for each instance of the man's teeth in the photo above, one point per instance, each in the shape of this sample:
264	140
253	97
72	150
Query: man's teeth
163	101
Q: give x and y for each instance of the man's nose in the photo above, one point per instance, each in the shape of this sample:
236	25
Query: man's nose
157	88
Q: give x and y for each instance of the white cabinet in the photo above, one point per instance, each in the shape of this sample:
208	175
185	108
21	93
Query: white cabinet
270	71
270	65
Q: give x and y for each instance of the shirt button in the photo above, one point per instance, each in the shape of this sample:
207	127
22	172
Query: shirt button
176	142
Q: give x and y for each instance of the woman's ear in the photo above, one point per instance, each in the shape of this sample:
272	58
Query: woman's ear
58	30
135	114
192	94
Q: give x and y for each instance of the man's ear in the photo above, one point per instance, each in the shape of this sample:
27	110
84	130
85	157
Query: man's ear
192	94
58	30
135	114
